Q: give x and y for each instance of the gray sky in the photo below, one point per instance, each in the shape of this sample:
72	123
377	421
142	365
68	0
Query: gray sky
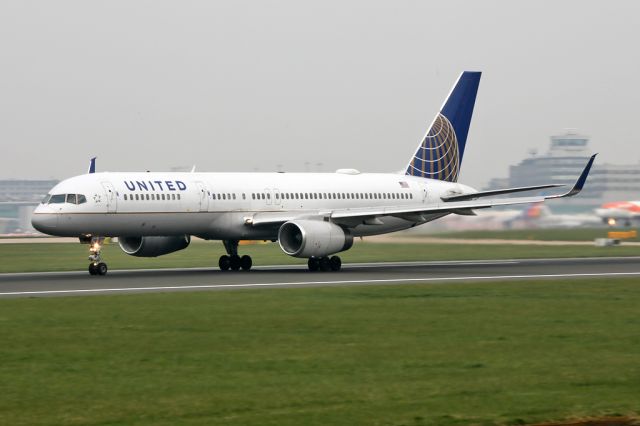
248	85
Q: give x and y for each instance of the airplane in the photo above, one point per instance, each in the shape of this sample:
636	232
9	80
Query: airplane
310	215
540	216
534	216
625	212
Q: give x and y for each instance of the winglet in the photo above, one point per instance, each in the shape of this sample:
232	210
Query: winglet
92	165
580	182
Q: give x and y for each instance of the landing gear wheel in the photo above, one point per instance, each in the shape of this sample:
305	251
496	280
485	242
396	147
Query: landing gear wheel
246	262
224	263
313	264
101	268
97	266
235	262
336	263
325	264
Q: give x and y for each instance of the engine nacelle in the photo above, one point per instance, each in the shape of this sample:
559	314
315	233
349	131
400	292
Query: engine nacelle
153	246
313	238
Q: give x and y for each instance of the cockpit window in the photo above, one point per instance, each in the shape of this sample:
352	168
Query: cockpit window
61	198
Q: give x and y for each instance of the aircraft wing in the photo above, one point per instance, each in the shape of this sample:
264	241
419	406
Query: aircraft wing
481	194
448	205
465	206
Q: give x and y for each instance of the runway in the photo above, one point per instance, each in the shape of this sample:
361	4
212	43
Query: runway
269	277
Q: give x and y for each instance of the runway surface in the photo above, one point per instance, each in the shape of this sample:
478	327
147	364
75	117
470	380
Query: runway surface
164	280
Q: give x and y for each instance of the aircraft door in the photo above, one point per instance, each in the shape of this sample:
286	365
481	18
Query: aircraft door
203	195
423	190
112	200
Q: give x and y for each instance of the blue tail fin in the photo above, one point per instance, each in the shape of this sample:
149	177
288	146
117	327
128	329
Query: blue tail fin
439	155
92	165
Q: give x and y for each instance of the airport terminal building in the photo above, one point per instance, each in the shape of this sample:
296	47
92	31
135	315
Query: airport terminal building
563	162
18	199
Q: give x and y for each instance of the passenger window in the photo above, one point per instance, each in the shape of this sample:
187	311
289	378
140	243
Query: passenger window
178	196
125	197
411	196
163	197
147	197
244	197
234	196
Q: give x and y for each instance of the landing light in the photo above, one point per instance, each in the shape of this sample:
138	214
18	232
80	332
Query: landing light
611	222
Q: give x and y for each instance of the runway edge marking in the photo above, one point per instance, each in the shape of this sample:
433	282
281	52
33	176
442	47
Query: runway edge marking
315	283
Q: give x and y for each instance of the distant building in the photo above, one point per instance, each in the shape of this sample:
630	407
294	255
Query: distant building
563	163
24	190
15	215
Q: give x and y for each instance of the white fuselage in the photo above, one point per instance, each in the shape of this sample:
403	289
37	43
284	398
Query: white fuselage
223	205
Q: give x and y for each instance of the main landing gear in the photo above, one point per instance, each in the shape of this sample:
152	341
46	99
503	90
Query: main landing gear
333	263
231	260
97	266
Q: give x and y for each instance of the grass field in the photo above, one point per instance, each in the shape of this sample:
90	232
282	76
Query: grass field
66	256
482	354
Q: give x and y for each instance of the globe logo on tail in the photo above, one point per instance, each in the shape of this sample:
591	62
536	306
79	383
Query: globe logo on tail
438	156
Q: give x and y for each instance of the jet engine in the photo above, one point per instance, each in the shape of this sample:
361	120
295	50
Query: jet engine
313	238
153	246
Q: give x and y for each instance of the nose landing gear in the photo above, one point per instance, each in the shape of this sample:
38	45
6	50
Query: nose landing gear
231	260
97	266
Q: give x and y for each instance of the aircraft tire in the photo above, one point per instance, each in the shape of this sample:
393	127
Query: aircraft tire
101	268
235	262
92	269
246	262
325	264
313	264
336	263
224	263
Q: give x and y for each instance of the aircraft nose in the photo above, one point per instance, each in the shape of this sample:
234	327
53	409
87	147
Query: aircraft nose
44	220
